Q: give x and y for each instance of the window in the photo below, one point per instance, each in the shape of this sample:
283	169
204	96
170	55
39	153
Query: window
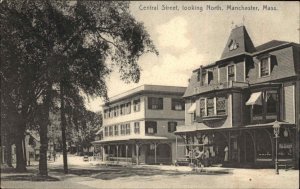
266	108
210	76
116	111
127	129
202	107
111	113
136	105
210	107
122	109
213	106
233	45
137	127
116	129
106	114
111	131
172	126
203	78
264	67
155	103
123	128
221	106
177	104
105	131
151	127
272	101
231	73
128	108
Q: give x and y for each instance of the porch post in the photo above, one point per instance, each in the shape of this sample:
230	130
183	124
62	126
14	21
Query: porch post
137	153
155	160
103	153
229	147
126	147
117	146
176	149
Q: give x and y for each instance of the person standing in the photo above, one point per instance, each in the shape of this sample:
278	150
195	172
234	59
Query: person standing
226	154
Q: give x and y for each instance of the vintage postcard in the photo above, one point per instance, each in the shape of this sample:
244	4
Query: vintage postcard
150	94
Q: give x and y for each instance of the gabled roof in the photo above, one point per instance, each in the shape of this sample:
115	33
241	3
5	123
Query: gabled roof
238	42
270	44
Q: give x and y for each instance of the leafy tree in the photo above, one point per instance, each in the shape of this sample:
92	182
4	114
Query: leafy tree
74	46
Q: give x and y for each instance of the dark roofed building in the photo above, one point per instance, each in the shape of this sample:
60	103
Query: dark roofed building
232	103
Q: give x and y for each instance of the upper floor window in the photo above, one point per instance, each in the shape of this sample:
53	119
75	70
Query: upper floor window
177	104
123	129
233	45
265	67
127	129
106	114
137	127
155	103
221	105
151	127
231	73
128	108
116	111
111	112
110	131
122	109
172	126
212	106
272	102
264	105
202	107
105	131
137	105
116	129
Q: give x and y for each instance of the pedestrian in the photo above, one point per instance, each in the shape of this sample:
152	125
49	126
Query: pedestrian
226	154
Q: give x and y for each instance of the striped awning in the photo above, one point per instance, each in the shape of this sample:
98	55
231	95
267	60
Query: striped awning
255	99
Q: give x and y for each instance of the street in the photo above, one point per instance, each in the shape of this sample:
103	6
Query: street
91	174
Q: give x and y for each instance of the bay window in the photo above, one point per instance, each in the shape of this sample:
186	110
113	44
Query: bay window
213	106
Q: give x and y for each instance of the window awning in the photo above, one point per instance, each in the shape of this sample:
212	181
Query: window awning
192	109
255	99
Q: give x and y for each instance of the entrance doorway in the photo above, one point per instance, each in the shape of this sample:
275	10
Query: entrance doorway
246	148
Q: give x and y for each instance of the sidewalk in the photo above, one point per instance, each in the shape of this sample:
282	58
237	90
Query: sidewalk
94	174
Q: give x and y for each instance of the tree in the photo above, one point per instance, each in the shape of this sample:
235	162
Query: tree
73	45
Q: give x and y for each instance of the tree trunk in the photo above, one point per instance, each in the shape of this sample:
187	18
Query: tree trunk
43	169
8	152
21	166
63	128
45	122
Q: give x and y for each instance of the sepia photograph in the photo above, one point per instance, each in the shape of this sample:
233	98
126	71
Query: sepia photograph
149	94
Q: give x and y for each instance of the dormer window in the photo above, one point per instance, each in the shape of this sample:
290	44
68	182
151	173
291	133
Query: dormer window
233	45
265	67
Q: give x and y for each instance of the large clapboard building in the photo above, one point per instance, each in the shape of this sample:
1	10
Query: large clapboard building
139	125
232	104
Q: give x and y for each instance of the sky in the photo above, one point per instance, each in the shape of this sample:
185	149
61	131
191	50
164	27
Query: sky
187	39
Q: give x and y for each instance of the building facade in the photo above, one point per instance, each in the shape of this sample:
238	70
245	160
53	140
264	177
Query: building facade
232	104
138	126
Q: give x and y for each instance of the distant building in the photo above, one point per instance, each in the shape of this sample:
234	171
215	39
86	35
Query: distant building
138	125
232	103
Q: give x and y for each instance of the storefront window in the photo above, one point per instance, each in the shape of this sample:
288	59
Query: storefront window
263	145
285	144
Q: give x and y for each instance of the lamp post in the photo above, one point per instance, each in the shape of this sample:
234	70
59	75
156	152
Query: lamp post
276	128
